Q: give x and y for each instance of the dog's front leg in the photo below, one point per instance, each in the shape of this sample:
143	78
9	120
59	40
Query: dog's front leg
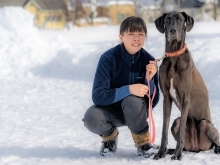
167	104
177	155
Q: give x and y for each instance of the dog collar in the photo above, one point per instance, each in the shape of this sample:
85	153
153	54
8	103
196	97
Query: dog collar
177	53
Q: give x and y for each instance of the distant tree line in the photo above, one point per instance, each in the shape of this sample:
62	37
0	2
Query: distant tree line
76	11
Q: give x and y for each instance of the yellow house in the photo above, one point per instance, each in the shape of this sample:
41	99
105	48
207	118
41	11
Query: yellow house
119	10
49	14
112	12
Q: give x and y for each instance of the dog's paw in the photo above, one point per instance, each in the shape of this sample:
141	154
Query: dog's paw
217	150
160	154
175	157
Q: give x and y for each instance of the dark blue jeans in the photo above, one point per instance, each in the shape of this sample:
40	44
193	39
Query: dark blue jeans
131	112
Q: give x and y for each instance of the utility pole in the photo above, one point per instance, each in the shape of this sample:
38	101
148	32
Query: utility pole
135	7
215	5
66	12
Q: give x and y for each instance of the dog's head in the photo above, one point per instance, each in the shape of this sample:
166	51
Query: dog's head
174	24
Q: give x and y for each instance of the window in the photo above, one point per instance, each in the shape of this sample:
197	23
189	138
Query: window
53	18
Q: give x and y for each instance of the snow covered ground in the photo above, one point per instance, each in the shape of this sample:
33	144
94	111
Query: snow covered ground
45	88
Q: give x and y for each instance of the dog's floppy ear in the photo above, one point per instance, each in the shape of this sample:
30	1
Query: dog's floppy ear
159	22
189	21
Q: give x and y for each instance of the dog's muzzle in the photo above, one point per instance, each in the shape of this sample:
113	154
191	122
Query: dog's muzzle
173	35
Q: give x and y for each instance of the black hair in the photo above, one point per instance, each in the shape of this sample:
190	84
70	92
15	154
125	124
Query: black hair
133	24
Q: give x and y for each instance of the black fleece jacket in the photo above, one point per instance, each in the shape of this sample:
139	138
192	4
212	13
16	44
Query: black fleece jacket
116	70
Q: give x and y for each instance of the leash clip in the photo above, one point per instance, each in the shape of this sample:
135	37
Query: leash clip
164	56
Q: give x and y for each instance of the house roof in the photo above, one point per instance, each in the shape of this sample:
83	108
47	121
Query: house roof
120	3
114	2
49	4
191	3
143	2
4	3
42	4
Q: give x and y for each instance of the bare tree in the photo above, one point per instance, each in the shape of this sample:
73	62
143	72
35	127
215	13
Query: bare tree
157	8
215	7
88	13
66	12
93	10
78	10
136	7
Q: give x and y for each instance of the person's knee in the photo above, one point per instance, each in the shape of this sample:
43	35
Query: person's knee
134	105
96	120
91	119
135	113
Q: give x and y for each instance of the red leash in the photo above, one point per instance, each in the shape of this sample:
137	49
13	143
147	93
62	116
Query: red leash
150	117
150	109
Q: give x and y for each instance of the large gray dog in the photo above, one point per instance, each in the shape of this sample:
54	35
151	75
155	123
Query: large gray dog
182	84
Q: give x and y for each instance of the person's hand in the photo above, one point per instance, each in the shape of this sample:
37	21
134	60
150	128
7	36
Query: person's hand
151	69
138	89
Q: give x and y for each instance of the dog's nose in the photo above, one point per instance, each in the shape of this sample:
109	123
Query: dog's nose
172	31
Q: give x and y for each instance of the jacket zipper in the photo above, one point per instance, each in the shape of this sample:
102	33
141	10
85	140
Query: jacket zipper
133	64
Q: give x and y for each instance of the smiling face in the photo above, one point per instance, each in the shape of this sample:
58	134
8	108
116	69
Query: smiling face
133	41
133	32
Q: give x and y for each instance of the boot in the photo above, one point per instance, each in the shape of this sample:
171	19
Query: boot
109	143
144	148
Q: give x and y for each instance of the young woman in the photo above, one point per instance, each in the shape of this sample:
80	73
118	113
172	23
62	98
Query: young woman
120	88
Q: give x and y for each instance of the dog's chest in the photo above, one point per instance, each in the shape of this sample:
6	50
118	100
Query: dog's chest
173	84
173	92
170	72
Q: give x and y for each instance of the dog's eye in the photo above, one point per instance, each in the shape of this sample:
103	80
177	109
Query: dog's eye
180	20
167	21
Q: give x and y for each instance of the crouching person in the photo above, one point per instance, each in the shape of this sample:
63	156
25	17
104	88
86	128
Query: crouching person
120	88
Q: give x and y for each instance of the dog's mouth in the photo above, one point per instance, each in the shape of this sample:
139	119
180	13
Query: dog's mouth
174	40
